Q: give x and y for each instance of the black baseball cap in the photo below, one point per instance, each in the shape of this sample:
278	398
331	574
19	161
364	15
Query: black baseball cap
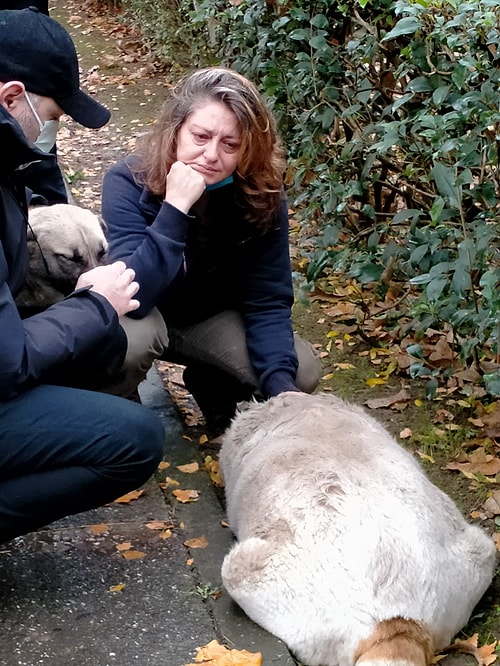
37	51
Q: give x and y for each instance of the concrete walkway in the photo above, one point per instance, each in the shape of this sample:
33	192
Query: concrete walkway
68	595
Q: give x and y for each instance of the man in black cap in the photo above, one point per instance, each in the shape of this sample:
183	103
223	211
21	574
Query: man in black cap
43	179
62	449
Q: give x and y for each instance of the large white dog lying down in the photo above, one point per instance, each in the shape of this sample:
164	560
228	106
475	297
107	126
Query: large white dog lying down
346	551
63	242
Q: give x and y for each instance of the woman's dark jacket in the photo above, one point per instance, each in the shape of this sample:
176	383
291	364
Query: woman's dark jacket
193	266
81	333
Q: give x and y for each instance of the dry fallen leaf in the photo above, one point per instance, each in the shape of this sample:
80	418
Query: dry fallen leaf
101	528
190	468
186	495
117	588
124	546
484	655
166	534
198	542
129	497
133	554
213	468
172	482
158	525
388	401
163	465
215	654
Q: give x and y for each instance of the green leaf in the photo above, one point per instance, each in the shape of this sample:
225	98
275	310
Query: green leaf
444	177
406	26
435	288
492	382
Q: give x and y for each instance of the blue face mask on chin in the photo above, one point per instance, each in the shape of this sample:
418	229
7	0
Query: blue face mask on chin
221	183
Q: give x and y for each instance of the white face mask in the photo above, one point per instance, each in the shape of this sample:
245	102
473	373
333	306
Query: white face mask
47	136
48	130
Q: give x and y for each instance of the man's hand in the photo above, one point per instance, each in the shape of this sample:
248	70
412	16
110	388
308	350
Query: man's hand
184	186
116	283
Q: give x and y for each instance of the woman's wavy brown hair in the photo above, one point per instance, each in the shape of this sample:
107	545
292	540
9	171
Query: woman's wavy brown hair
259	172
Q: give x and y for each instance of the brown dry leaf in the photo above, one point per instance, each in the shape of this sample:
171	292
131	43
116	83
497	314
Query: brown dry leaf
376	403
163	465
406	433
101	528
484	655
172	482
190	561
158	525
215	654
129	497
203	439
186	495
198	542
486	464
124	546
133	554
213	468
496	539
492	504
190	468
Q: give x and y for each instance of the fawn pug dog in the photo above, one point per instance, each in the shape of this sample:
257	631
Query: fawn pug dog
345	550
63	242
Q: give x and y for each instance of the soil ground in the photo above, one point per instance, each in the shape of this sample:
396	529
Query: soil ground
115	66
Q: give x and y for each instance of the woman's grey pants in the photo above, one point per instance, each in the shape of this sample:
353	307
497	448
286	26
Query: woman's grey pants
218	341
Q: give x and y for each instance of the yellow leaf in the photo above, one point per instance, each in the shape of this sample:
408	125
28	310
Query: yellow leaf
419	403
166	534
203	439
344	366
425	456
126	499
198	542
328	376
117	588
376	381
186	495
190	468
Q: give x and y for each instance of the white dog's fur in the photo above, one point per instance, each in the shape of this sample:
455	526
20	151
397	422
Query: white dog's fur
63	242
346	551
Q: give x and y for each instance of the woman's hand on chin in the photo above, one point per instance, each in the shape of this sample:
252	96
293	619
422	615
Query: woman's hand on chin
184	186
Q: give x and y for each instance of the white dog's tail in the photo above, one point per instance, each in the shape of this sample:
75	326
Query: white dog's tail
396	642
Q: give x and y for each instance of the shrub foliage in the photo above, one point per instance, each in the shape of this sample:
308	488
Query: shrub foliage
390	113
